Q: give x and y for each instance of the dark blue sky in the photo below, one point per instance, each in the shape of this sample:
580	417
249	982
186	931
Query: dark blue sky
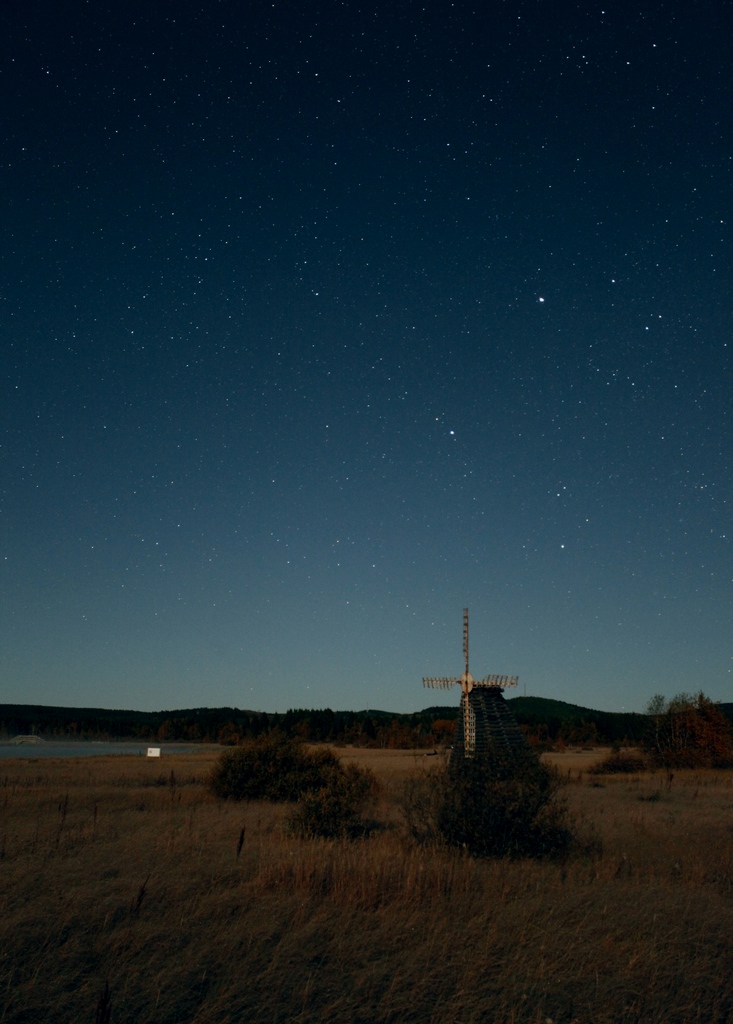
320	321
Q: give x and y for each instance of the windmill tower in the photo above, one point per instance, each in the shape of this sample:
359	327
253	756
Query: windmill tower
485	722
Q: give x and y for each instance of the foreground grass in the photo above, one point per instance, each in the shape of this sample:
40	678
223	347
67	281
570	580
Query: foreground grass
127	872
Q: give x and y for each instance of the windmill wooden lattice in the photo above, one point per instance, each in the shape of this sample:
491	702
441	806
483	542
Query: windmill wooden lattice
485	721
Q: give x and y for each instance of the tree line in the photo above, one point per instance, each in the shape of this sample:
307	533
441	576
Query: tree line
547	724
230	726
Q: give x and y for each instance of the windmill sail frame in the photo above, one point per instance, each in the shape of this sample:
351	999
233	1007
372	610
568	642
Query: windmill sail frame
485	717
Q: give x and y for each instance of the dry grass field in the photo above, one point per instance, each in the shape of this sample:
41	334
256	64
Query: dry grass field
123	872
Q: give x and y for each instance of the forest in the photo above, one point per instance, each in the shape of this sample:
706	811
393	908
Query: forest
548	725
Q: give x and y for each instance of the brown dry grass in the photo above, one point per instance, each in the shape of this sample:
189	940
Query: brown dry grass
113	871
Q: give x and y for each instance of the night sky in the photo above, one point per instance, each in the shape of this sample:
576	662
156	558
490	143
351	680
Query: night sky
321	321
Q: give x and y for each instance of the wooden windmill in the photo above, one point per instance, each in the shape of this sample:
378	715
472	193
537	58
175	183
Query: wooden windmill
486	721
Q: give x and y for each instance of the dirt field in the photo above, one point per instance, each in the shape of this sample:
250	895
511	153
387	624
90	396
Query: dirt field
123	872
579	759
396	764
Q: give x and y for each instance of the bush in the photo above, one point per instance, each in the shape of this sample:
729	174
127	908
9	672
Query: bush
618	764
335	811
272	768
503	805
331	798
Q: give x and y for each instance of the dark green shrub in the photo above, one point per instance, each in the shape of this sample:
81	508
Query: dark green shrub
271	768
335	810
331	798
505	806
501	805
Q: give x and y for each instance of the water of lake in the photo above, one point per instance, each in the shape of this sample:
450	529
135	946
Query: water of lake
50	749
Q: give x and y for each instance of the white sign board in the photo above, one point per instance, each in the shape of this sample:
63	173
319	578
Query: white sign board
153	751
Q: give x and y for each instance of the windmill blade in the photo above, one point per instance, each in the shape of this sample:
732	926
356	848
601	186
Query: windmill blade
498	680
440	682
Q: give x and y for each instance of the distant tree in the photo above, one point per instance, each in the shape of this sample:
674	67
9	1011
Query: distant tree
229	735
688	731
579	731
444	731
166	730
